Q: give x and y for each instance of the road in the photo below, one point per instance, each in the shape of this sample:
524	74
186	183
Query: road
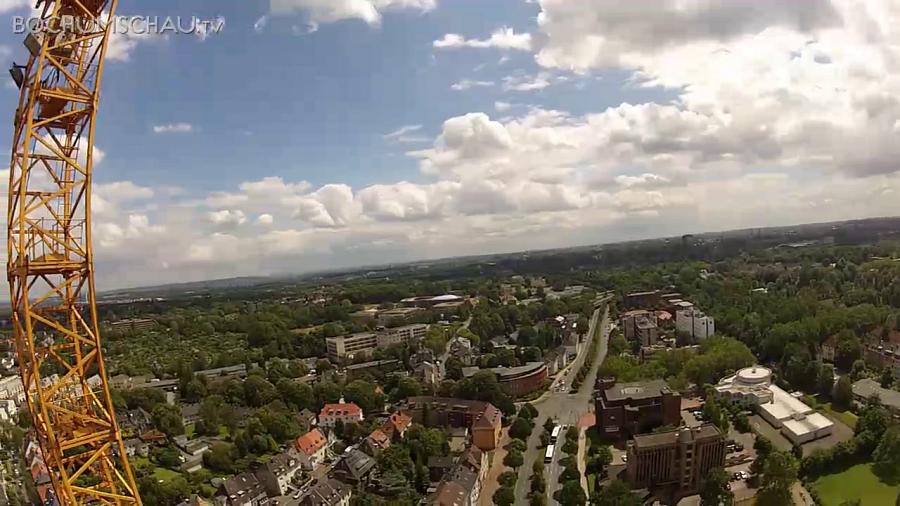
564	407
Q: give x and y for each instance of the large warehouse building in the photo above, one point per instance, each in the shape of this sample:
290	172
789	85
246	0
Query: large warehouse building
753	387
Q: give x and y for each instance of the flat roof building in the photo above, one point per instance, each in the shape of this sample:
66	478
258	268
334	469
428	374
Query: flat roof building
752	387
339	347
674	463
624	409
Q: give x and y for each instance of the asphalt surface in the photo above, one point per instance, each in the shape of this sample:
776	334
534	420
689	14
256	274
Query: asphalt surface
565	408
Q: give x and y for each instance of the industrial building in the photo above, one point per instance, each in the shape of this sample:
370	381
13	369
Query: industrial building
752	387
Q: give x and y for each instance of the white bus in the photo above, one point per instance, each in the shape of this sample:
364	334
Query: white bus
554	436
548	455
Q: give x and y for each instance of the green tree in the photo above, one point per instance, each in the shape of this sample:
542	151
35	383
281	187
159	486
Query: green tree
521	428
167	419
517	445
258	391
887	378
363	394
778	476
843	393
508	478
887	456
504	496
528	411
220	457
513	459
714	489
572	494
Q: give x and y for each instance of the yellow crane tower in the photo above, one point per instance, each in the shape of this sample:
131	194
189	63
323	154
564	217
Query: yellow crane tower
49	255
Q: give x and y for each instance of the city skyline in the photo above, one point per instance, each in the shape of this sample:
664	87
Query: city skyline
304	137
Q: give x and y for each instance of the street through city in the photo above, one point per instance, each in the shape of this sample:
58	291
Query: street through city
563	407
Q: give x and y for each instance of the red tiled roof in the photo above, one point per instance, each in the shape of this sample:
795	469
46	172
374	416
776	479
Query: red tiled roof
311	442
399	421
379	439
490	417
344	409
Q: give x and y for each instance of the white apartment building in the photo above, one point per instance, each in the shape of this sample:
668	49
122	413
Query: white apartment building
402	334
339	347
12	388
695	323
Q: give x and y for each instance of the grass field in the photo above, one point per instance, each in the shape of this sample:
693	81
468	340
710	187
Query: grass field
858	482
846	417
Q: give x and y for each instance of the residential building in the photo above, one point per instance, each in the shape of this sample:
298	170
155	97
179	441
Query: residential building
306	419
623	409
190	413
866	389
461	349
11	388
462	485
429	373
828	348
674	463
482	419
882	349
311	448
556	360
134	447
629	319
401	335
695	323
241	490
354	467
276	474
349	346
327	493
521	380
346	412
753	388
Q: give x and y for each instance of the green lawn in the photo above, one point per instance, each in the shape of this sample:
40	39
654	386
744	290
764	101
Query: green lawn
858	482
164	474
846	417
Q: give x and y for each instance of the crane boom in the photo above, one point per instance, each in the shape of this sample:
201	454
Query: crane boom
50	259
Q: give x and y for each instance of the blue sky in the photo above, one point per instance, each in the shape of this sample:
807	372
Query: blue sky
266	148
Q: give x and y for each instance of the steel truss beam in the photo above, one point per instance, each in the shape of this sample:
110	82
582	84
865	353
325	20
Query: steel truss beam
50	258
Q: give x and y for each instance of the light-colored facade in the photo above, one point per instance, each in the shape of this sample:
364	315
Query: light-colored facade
401	335
12	388
695	323
345	412
311	449
339	347
752	387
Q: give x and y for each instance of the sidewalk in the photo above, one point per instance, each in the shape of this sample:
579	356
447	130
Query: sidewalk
497	468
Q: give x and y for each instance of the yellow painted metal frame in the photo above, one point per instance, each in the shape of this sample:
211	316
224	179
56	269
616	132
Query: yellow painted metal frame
50	259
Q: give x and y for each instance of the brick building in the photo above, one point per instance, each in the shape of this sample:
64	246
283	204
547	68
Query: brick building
624	409
482	419
673	463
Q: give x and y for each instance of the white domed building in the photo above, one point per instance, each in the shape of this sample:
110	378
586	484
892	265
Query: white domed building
752	387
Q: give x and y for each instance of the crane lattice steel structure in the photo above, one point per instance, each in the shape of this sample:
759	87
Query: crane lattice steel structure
49	254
